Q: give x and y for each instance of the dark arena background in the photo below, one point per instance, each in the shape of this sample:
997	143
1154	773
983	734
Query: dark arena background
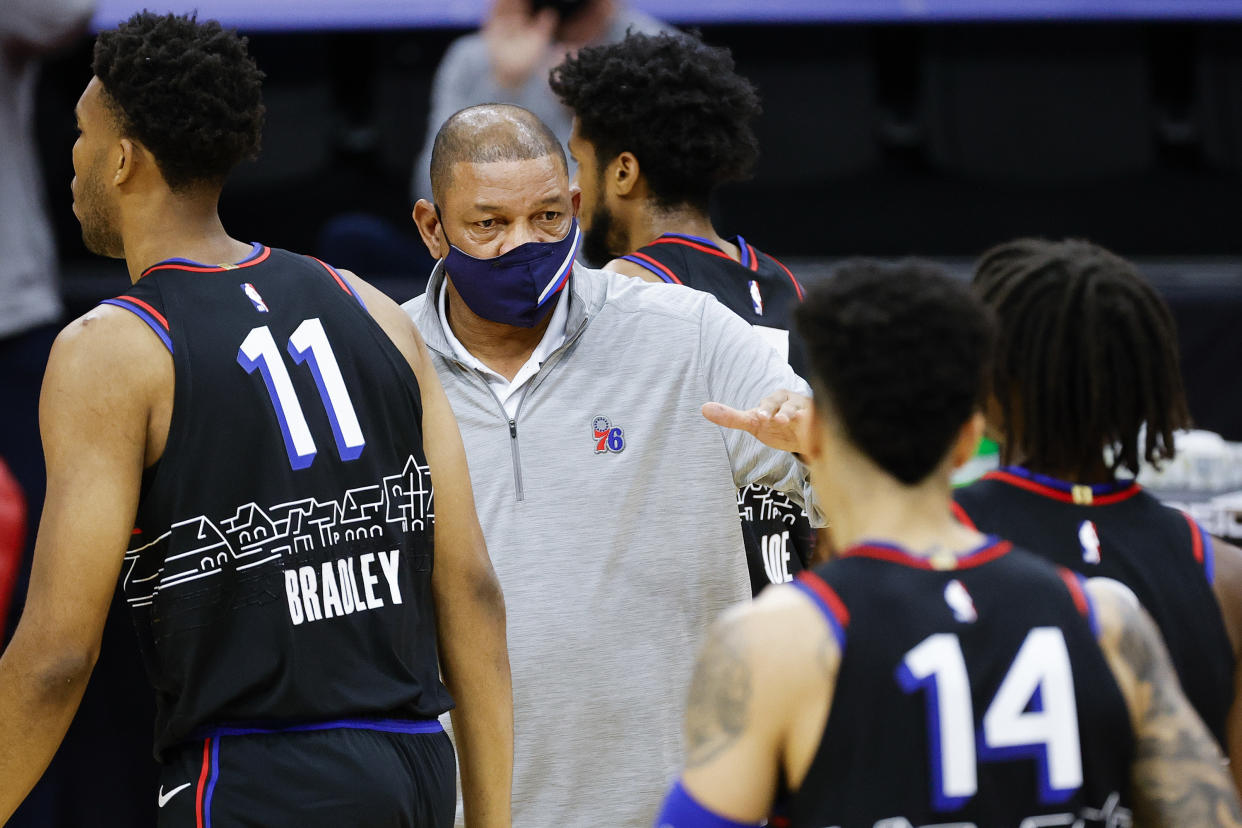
891	128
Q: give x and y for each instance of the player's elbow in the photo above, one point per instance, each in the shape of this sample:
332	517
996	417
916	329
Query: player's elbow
53	673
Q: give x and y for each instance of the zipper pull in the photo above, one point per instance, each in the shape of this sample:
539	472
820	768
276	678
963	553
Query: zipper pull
513	429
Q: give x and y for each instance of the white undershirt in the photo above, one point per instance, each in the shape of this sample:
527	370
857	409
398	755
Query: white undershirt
510	393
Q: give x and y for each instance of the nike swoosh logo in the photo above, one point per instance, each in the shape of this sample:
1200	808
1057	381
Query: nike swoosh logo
164	797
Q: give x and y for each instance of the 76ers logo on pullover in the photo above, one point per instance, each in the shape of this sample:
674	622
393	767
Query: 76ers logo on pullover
608	438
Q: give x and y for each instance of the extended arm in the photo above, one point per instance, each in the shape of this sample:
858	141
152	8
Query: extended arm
761	404
470	609
94	420
1178	776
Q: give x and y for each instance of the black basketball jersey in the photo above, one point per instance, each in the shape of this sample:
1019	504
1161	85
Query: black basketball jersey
280	569
764	292
1120	531
970	691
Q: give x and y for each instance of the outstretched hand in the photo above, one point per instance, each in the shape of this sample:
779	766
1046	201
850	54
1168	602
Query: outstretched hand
777	421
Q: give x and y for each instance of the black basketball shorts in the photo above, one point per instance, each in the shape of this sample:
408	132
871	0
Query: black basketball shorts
320	778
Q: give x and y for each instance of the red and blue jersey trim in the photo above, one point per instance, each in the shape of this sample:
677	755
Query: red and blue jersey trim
341	283
258	254
658	268
988	551
829	603
207	783
407	726
696	242
1201	546
154	319
1077	586
797	285
1102	494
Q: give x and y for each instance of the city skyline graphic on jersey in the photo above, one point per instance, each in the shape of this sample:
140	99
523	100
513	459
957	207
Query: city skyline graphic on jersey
254	535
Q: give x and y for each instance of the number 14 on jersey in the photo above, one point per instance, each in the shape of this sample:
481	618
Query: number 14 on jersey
308	344
1033	715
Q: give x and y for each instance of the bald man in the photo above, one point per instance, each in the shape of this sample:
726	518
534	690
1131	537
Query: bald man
607	500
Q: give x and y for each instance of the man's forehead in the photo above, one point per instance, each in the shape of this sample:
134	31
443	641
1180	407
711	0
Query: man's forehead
528	181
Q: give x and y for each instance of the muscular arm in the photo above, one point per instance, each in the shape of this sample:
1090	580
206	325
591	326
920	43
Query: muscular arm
743	731
470	609
94	414
1228	589
1179	776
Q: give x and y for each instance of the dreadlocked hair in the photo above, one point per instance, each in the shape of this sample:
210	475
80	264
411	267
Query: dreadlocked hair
1086	357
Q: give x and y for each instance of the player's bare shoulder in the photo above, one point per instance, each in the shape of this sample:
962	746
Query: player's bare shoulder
628	268
108	344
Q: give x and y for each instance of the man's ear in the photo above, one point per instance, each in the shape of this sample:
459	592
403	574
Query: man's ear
126	159
575	199
428	223
967	442
623	173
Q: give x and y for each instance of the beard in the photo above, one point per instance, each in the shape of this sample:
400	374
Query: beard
599	244
98	220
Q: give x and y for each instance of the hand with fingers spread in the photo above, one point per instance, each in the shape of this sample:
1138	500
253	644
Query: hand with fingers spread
777	421
518	42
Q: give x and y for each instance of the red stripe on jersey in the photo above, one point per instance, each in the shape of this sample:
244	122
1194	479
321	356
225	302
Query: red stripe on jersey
789	273
960	514
159	317
670	274
753	255
202	784
1196	538
335	276
704	248
829	596
1075	590
899	556
1057	494
267	251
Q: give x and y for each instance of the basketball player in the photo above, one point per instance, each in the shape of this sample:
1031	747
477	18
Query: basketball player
248	439
1105	394
945	677
660	122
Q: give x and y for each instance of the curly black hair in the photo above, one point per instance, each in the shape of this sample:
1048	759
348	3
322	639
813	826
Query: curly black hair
187	91
900	351
674	102
1086	356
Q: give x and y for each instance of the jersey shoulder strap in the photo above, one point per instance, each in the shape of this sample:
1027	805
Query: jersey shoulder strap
145	301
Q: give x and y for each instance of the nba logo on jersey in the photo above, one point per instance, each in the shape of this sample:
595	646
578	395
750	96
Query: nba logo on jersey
254	297
755	298
1090	541
959	600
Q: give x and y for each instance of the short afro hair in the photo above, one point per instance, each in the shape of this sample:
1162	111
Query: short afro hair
674	102
901	353
187	91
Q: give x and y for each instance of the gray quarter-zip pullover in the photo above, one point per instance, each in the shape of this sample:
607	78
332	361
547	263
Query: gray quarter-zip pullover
609	505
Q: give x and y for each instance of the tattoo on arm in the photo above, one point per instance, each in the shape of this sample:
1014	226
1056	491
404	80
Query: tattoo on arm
719	696
1179	776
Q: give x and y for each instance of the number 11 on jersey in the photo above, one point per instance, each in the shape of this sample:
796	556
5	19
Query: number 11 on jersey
308	344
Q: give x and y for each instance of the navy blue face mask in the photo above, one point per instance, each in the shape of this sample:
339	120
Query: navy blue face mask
514	288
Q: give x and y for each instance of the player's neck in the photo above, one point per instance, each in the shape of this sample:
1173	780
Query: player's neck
687	221
1093	472
502	348
866	504
176	227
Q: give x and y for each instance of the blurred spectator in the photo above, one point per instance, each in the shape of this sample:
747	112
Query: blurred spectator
509	59
31	310
12	537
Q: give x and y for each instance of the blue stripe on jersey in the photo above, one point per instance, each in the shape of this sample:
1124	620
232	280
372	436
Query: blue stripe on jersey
1209	556
145	317
643	264
833	624
681	810
211	782
383	725
741	245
